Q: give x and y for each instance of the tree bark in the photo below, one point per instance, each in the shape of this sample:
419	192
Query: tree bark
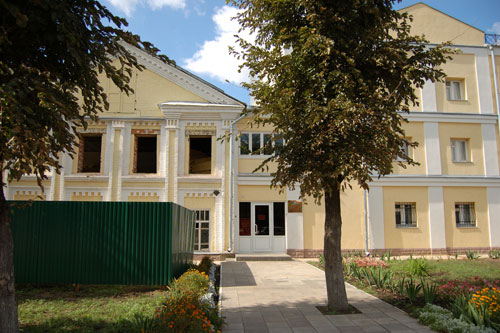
335	287
8	305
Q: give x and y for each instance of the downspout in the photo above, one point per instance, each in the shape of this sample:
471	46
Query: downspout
231	182
495	81
367	252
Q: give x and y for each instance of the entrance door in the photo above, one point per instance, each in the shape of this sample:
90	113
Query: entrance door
262	227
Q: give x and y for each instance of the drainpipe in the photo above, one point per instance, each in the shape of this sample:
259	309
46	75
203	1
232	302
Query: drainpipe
367	252
495	80
231	182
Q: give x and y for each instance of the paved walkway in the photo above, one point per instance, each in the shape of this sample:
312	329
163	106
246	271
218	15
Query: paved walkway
282	297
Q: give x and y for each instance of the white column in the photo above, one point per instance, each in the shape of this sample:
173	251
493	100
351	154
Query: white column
490	152
294	223
429	103
52	184
66	169
179	150
484	81
437	229
376	218
121	126
219	223
494	215
432	149
108	158
126	149
163	165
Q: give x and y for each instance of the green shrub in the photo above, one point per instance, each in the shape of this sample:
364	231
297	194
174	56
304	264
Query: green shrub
442	320
205	265
192	282
471	255
418	267
411	289
494	254
429	290
321	258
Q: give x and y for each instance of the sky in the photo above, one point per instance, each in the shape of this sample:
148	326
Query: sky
197	33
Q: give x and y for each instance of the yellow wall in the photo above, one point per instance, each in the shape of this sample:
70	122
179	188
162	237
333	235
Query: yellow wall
144	197
466	237
86	196
154	185
204	203
29	195
439	27
259	193
462	66
415	131
473	133
406	238
352	221
150	89
248	165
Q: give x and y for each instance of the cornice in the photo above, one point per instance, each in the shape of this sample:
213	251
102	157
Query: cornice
448	117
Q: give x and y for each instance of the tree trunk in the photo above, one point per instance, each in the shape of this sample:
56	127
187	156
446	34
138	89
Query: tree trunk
8	306
335	287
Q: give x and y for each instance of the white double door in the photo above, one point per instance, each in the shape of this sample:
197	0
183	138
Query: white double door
263	229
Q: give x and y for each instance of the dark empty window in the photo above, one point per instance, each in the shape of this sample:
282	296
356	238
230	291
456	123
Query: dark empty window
90	154
245	219
146	154
200	155
279	218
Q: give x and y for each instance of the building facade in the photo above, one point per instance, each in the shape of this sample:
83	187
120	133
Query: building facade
162	143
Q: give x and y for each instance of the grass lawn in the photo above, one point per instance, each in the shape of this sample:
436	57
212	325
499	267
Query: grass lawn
462	270
92	308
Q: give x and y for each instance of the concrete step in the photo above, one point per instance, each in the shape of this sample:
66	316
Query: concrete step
263	257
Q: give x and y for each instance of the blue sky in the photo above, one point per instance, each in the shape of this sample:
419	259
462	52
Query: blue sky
196	33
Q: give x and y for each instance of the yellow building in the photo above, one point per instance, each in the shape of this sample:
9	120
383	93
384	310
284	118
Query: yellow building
161	144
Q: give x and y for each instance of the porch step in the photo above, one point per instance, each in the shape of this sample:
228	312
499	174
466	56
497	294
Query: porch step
263	257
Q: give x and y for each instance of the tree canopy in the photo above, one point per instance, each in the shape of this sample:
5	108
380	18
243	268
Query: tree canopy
334	78
51	53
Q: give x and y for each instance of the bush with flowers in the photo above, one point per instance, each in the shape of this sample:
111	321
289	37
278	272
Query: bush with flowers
186	308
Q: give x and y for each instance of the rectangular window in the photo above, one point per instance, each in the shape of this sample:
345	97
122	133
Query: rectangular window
459	150
279	218
200	155
465	214
255	143
89	159
145	158
202	231
245	144
245	216
454	90
405	150
406	216
259	143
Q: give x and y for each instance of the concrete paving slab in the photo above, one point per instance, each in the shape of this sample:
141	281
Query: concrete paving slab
281	296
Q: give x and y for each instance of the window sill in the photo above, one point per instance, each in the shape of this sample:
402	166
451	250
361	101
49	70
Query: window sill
254	157
457	100
464	226
463	162
407	226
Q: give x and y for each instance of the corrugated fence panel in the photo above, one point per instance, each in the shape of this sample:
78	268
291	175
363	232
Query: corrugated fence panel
101	242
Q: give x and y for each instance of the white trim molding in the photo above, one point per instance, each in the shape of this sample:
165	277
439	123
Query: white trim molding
445	180
432	148
437	229
494	215
449	117
376	218
490	152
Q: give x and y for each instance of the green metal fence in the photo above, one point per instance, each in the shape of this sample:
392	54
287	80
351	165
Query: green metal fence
101	242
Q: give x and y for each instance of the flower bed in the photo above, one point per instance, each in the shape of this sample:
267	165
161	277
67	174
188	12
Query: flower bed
190	303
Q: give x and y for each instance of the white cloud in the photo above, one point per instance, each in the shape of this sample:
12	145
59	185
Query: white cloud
213	57
495	28
128	6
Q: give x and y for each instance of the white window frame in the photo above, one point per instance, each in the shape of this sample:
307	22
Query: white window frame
455	90
405	223
460	208
406	149
202	216
459	150
250	144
